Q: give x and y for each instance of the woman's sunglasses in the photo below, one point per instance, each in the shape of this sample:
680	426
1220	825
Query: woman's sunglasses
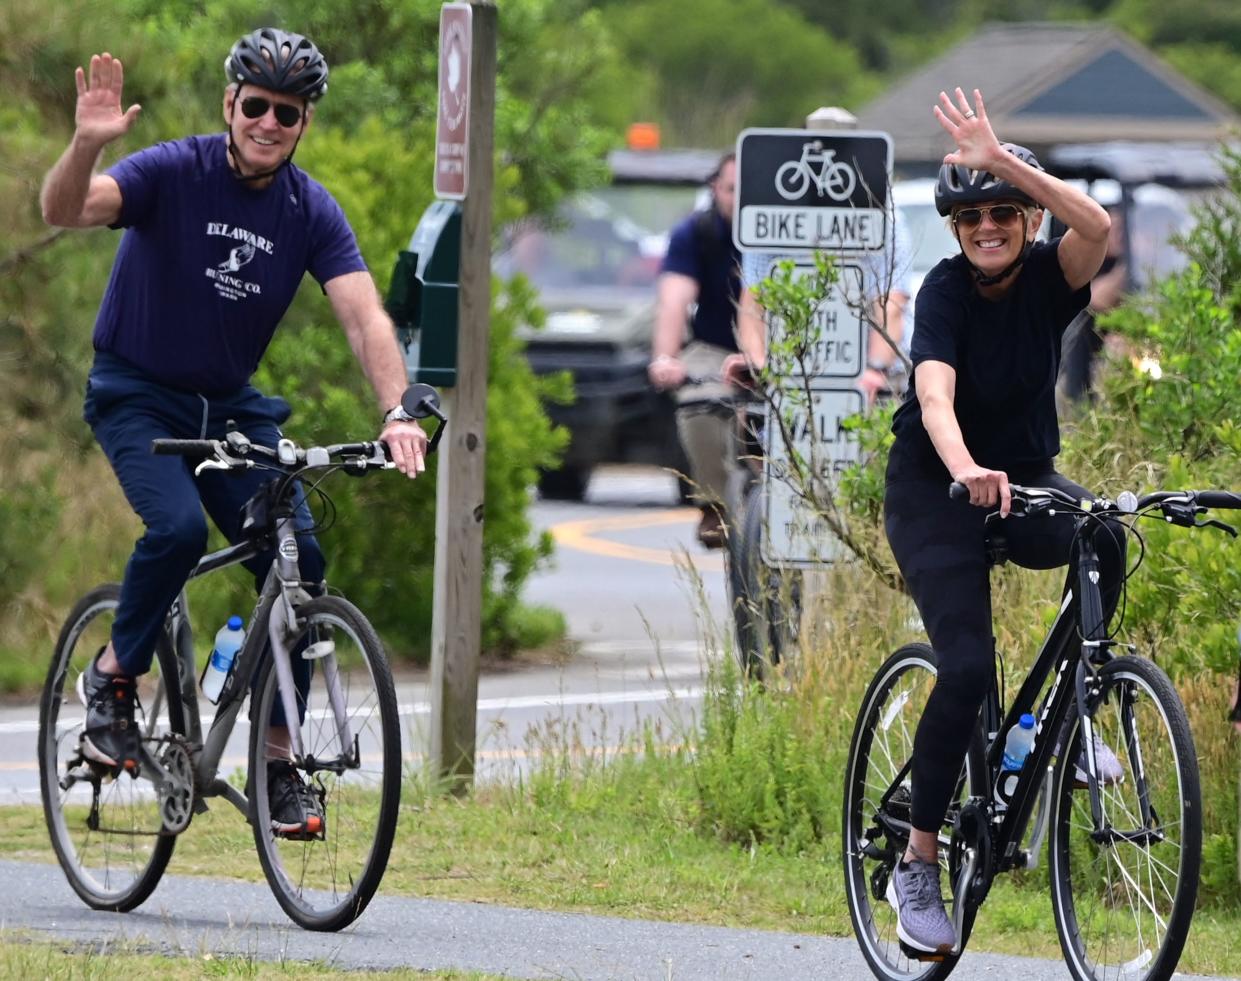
1001	214
255	106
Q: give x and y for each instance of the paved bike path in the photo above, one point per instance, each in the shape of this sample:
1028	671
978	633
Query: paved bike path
195	917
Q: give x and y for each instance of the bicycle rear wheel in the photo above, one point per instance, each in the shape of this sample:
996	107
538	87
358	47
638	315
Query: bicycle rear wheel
105	829
877	808
1123	898
325	883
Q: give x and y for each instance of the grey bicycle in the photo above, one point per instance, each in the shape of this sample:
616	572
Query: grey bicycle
114	830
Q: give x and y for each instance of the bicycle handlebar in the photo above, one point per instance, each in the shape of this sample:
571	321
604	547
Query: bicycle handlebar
183	447
234	451
1178	507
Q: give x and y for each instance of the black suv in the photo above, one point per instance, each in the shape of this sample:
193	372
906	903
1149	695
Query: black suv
595	269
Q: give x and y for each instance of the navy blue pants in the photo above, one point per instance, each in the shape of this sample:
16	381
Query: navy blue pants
939	546
127	410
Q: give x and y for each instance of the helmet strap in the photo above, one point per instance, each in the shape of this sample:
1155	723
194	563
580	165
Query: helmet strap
982	279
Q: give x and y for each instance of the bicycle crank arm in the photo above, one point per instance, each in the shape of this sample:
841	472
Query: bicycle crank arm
961	896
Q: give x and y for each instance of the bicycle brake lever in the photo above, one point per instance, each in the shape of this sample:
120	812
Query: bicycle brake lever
1216	523
221	465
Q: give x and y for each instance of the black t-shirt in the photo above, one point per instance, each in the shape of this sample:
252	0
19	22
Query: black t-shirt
701	247
1006	353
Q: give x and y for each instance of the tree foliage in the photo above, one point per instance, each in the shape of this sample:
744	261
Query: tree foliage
371	144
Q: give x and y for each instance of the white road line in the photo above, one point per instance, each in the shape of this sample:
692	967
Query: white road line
558	700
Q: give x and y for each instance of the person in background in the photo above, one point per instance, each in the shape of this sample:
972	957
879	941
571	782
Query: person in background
695	339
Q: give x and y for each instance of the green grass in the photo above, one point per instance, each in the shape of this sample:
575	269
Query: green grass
735	823
626	840
23	955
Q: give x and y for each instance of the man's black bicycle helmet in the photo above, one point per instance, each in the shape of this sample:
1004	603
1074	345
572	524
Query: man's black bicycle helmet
280	61
958	185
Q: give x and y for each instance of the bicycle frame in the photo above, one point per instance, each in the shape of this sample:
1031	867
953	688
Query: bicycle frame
1073	648
273	624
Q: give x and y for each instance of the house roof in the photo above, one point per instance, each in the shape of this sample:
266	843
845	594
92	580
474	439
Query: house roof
1047	85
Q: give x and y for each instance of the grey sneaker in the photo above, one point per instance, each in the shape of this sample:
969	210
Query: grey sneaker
1107	766
921	922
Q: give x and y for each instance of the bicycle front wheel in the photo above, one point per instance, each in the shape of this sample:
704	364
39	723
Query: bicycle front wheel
351	744
1123	890
107	829
766	600
877	809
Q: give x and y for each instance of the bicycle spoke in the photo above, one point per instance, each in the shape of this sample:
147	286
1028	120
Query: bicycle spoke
325	881
1123	904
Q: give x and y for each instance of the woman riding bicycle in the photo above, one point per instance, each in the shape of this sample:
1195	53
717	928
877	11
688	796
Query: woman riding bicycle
985	350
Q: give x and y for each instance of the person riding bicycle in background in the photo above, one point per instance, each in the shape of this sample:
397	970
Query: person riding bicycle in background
885	292
702	270
219	231
985	351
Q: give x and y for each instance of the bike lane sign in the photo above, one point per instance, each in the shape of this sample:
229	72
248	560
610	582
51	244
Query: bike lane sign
795	535
811	189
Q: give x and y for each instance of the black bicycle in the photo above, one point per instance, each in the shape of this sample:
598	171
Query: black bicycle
1125	852
114	831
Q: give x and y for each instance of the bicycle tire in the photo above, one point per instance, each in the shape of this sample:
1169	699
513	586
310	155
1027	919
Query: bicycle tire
881	744
1123	908
744	613
766	601
324	884
117	866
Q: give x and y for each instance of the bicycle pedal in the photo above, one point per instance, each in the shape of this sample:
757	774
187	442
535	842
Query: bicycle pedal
925	956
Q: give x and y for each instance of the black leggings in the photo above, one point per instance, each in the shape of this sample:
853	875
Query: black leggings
938	545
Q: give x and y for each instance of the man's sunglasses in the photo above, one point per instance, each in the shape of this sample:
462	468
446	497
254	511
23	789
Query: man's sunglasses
255	107
1001	214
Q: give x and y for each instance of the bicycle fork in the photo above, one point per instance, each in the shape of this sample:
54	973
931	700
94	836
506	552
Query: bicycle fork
282	627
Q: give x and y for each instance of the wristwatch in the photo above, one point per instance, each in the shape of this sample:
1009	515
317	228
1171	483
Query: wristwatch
876	366
397	414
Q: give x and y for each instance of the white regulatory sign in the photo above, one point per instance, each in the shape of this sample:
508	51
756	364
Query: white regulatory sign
779	227
795	535
840	350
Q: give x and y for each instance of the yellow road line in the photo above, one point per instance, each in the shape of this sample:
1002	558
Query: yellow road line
580	535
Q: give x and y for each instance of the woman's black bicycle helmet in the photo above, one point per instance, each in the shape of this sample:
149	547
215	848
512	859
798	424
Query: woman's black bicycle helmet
280	61
958	185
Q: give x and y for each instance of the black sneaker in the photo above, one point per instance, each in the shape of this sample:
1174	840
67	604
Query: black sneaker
110	736
295	809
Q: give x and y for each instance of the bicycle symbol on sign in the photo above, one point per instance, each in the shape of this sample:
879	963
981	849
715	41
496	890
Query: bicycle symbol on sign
834	178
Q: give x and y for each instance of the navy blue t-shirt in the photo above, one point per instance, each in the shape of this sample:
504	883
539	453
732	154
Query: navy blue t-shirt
1006	353
715	264
208	264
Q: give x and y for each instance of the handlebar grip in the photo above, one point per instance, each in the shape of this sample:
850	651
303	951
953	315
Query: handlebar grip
183	447
957	491
1224	500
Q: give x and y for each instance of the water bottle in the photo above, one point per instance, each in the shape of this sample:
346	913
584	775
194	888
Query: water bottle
228	641
1016	748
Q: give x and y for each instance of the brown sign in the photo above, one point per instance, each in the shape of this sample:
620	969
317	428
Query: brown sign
452	128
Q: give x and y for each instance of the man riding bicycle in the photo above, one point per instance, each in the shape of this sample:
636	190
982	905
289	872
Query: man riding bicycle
219	231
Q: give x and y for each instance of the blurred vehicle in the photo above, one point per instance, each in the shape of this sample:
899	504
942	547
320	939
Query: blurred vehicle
930	238
595	267
1150	189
